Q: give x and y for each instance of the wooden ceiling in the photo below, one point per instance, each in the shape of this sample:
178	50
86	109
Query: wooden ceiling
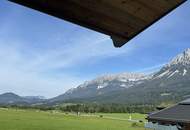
120	19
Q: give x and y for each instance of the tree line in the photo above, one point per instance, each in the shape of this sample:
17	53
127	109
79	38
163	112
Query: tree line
107	108
91	108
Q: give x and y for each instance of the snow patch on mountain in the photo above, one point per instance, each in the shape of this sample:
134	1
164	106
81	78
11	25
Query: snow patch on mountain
123	85
184	72
176	71
164	73
102	85
124	77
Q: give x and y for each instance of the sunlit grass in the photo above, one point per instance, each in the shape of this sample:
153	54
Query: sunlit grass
32	120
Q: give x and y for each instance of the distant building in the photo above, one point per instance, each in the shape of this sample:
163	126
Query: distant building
173	118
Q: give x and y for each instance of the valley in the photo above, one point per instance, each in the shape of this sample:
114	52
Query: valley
120	93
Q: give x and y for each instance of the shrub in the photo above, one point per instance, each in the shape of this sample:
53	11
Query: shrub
135	124
101	116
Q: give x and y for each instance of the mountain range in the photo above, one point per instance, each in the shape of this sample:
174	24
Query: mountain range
13	99
170	84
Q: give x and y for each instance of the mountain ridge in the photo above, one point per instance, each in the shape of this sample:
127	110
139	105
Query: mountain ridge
169	84
173	75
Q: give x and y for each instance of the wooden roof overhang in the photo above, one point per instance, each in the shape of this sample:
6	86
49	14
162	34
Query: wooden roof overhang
120	19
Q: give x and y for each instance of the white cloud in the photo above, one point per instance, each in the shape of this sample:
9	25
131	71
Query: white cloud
27	73
17	76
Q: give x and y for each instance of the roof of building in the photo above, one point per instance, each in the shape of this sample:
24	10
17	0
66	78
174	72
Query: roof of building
121	19
179	113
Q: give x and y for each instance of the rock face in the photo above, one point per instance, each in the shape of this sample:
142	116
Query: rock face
181	59
171	83
103	85
179	66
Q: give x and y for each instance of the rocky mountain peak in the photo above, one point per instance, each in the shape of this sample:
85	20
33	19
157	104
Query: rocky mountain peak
120	76
123	77
183	58
179	66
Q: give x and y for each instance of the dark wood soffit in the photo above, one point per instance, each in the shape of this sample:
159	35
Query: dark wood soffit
120	19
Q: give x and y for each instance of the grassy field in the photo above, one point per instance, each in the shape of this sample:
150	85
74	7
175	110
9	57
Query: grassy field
32	120
134	116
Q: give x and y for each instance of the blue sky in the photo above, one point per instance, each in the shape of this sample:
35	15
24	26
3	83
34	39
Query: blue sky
43	55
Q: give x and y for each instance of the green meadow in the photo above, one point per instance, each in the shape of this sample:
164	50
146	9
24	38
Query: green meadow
11	119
